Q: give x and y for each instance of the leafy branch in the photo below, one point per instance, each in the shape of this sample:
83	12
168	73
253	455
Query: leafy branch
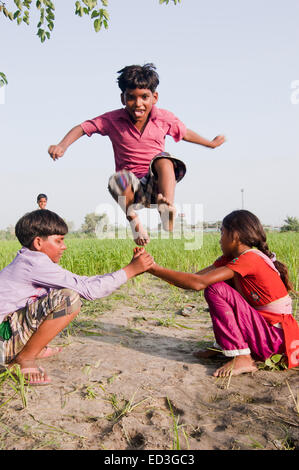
96	9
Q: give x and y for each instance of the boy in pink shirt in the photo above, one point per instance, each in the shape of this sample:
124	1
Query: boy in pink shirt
145	173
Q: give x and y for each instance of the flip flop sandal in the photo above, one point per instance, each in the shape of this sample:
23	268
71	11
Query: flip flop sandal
30	370
187	310
48	352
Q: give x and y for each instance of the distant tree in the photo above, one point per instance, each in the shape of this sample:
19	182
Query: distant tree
291	225
91	221
8	233
96	9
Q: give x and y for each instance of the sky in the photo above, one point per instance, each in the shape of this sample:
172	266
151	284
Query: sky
225	68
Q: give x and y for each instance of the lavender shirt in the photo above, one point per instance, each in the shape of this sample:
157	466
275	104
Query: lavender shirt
32	274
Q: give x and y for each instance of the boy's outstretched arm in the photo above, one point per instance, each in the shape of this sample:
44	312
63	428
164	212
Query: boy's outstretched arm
57	151
192	281
141	262
195	138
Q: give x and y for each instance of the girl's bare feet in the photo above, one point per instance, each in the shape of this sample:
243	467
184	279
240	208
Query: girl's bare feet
140	235
239	365
167	212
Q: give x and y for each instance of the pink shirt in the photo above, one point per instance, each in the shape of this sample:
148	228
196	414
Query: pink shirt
134	151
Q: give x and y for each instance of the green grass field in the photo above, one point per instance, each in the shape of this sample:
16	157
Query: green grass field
93	256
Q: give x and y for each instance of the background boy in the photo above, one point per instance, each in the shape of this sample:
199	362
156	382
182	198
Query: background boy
42	200
38	298
145	174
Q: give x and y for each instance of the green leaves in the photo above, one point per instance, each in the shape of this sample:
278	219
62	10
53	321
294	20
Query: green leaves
96	9
46	16
102	20
167	1
275	362
91	9
3	79
22	15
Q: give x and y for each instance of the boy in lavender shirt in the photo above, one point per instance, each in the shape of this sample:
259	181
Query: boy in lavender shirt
38	298
145	173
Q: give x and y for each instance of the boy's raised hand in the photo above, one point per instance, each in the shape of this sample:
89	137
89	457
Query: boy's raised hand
56	151
218	140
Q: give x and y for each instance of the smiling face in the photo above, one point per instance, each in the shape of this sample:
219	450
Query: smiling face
139	103
53	246
42	202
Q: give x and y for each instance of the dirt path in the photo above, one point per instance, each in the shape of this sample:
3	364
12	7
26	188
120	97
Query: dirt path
126	379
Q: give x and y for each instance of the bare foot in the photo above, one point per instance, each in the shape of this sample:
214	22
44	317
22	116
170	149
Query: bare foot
206	353
239	365
34	374
167	212
140	235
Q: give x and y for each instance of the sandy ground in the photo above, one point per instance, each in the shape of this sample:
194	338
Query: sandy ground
126	379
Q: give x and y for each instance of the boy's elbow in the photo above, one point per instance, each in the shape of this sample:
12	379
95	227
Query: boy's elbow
187	135
198	286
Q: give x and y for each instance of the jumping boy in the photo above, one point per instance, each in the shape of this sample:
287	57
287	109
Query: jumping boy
38	298
145	174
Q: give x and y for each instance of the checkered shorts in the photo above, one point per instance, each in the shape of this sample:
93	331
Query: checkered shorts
145	189
25	321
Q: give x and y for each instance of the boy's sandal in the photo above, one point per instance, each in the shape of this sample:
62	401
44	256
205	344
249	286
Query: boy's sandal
33	370
48	352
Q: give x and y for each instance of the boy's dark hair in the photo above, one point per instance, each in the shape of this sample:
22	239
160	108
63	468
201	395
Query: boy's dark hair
39	223
40	196
251	233
138	76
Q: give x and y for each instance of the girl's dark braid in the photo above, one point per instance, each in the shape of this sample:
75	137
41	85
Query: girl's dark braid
283	270
263	247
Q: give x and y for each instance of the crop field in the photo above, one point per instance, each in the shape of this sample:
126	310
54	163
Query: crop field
93	256
126	377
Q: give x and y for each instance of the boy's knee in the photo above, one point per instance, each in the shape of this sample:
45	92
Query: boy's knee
67	302
119	182
162	163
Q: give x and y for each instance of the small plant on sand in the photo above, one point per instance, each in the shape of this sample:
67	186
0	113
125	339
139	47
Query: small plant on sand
176	427
275	362
122	408
90	393
16	380
170	321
